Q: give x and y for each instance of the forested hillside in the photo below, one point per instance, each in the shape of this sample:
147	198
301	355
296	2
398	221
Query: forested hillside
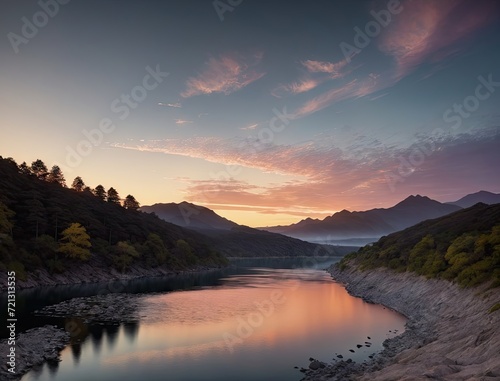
44	224
463	247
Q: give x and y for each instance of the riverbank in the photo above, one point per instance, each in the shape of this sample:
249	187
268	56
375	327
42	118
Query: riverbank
450	335
32	348
93	271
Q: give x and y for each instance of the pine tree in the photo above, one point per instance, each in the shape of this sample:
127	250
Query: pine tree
131	203
39	168
113	196
78	184
100	192
56	176
24	169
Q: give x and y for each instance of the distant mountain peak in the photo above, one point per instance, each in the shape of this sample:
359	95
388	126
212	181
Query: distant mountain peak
414	200
190	215
474	198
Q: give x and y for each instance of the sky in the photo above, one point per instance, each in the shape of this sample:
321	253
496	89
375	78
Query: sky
267	112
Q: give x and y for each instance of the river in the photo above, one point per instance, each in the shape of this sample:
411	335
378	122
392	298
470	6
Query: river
257	320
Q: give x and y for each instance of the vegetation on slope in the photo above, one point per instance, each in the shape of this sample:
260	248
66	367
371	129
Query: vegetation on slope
463	247
43	224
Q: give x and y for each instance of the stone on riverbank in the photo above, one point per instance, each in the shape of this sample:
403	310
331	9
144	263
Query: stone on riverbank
33	348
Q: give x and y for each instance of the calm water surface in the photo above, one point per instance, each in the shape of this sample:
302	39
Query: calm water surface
245	323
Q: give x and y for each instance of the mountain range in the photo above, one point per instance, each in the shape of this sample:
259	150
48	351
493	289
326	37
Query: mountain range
235	240
474	198
342	228
358	228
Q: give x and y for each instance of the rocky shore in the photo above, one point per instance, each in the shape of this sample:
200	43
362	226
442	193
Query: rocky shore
37	346
450	334
109	308
92	271
33	348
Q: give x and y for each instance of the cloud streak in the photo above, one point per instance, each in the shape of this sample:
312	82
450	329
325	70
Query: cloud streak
183	121
318	73
430	30
327	177
225	75
425	31
175	105
334	69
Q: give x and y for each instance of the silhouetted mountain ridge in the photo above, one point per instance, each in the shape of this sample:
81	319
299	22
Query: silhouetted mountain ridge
372	223
189	215
232	239
473	198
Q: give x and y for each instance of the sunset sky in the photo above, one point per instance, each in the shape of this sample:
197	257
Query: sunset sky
271	111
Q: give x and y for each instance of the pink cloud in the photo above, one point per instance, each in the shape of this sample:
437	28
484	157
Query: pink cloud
324	177
225	75
334	69
322	71
182	121
426	30
352	89
301	86
429	30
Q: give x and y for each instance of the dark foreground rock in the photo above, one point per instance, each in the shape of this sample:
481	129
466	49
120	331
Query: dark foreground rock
33	348
450	335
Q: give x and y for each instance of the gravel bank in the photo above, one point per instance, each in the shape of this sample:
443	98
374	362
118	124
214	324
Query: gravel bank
450	334
33	348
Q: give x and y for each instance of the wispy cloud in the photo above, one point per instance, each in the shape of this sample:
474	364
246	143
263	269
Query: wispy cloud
425	31
335	69
297	87
175	105
318	73
329	177
353	89
225	74
183	121
250	127
430	30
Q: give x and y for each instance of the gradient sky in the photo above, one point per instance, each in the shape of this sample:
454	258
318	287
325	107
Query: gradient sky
363	122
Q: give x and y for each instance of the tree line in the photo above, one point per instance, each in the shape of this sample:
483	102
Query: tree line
55	175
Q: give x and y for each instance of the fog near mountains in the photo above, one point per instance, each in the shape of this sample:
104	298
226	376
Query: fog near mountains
342	228
235	240
359	228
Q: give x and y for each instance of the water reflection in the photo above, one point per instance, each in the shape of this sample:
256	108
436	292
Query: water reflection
256	324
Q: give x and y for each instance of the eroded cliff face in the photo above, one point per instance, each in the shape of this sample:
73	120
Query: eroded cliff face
450	334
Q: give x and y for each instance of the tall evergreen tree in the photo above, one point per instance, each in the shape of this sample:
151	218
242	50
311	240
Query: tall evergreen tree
56	176
78	184
24	169
113	196
100	192
131	203
39	168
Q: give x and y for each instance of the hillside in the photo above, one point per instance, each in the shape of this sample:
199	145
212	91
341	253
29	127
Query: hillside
463	247
372	223
235	240
485	197
190	215
34	215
